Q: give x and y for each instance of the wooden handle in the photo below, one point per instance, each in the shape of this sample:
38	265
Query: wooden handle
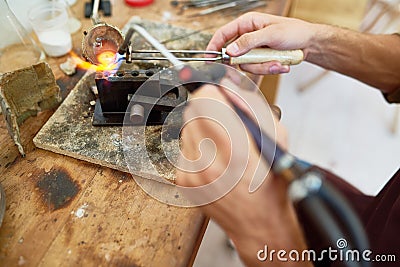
261	55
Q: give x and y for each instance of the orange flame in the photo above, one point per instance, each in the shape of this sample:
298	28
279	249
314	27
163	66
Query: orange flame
107	62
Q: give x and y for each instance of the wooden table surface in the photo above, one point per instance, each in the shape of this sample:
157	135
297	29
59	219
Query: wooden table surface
65	212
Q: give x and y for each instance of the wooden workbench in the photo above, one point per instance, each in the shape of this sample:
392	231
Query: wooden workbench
64	212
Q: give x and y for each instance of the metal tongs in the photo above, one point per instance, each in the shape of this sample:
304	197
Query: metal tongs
308	189
258	55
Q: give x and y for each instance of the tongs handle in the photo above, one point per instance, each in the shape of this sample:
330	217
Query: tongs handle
261	55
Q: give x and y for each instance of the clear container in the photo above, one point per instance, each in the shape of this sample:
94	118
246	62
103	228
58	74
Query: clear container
17	47
50	23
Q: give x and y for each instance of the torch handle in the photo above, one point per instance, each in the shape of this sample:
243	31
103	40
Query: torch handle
262	55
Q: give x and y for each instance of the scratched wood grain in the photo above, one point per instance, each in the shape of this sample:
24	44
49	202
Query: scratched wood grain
134	241
35	214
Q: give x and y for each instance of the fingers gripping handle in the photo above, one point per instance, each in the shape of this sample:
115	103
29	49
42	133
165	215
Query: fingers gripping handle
262	55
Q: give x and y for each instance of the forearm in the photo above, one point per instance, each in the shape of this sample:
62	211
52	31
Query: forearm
252	219
372	59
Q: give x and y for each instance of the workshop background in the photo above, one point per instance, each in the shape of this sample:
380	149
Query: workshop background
336	122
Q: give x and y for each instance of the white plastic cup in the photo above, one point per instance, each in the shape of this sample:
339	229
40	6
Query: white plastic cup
50	23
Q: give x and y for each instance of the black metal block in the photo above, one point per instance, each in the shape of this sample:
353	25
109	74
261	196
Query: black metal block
118	93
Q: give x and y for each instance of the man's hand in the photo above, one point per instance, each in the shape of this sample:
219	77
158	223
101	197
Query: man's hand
216	143
370	58
254	30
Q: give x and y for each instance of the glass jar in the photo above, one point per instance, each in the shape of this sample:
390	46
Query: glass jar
17	47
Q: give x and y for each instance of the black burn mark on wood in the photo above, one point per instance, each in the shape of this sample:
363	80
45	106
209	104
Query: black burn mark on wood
57	189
